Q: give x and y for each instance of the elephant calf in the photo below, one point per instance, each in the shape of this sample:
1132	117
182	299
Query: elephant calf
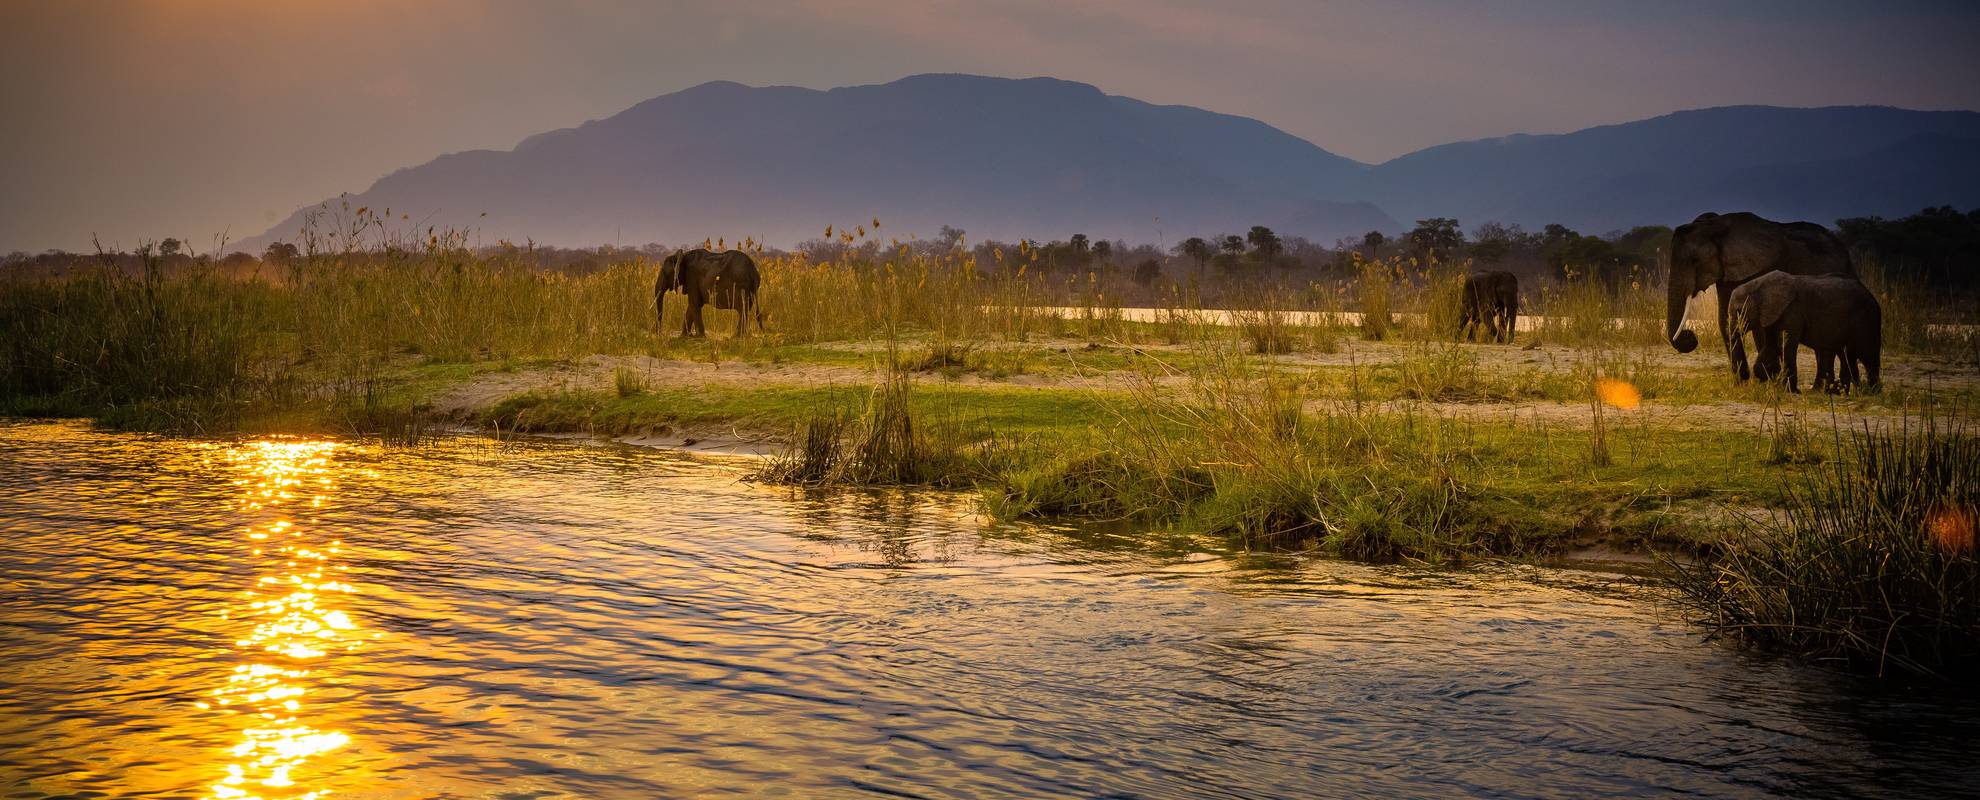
1489	299
1834	314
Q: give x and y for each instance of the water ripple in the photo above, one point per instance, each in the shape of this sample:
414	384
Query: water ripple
550	621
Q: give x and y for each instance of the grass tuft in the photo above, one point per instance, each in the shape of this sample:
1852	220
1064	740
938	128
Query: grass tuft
1872	564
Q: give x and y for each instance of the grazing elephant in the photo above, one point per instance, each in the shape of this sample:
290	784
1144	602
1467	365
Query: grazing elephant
729	279
1489	299
1726	250
1834	314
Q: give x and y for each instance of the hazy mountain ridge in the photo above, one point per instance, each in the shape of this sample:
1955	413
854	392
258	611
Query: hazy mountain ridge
1045	158
1668	168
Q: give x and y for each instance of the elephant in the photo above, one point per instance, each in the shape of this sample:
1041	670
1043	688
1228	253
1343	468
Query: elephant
1489	299
1726	250
729	279
1834	314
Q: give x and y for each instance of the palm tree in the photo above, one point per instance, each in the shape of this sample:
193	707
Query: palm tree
1197	249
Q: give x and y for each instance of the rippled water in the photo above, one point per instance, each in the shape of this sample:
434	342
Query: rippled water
287	618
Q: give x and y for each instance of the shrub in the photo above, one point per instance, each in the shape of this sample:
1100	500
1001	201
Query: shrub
890	443
1872	565
629	382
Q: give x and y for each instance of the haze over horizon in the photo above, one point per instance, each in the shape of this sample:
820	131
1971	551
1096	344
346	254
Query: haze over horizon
143	120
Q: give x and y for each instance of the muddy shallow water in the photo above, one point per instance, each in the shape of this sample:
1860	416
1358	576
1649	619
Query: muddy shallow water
283	617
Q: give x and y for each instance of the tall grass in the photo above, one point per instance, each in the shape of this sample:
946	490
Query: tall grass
1374	283
1918	319
194	348
184	351
1872	565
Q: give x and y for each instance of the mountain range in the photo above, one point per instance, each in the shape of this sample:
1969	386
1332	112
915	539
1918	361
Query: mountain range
1044	158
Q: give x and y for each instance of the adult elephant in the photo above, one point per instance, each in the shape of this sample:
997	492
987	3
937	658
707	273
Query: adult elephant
1725	250
729	279
1489	299
1834	314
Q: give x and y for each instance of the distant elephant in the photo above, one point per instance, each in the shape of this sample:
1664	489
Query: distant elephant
1834	314
1489	299
1726	250
729	279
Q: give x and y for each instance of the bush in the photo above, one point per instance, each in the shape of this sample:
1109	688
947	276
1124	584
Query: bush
890	443
1872	565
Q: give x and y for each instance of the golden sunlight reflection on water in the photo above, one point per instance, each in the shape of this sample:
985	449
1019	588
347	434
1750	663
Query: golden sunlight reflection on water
289	621
474	619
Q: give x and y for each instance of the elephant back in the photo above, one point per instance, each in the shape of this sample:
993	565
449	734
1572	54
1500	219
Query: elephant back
736	280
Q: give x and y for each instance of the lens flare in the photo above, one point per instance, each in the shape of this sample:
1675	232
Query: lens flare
1618	393
1952	528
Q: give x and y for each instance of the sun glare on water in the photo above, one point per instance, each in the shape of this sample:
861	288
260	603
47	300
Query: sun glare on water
288	622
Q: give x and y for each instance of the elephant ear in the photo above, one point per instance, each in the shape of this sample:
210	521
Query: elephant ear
670	271
1767	298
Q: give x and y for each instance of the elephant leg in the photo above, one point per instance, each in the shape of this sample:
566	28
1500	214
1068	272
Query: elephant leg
1766	354
1791	362
1735	351
687	318
1825	371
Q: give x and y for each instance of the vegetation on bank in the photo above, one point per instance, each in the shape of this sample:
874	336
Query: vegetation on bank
1258	464
1871	562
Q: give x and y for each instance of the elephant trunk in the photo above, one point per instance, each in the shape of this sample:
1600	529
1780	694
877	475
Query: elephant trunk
1679	289
670	277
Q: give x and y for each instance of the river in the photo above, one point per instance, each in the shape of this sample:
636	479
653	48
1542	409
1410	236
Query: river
289	618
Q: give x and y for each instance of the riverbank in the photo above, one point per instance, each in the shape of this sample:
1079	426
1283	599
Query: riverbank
1506	435
1499	450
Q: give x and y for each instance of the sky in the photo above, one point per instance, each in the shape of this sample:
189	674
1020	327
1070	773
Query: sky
211	119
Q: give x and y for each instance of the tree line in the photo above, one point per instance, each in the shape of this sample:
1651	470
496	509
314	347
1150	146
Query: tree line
1938	246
